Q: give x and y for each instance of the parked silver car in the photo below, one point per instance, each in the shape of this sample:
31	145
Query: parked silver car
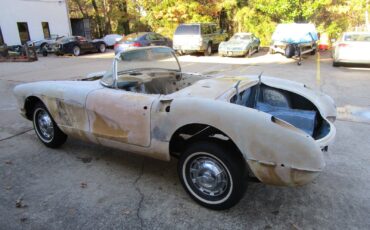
352	47
46	43
198	37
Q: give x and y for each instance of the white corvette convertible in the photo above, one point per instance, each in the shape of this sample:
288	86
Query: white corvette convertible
224	130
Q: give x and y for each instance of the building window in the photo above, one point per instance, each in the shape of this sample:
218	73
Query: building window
45	29
24	34
1	38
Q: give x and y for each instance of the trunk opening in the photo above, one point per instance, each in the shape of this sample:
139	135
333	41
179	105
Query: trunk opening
285	105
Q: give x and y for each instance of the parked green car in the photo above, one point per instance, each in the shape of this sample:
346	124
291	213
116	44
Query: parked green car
240	44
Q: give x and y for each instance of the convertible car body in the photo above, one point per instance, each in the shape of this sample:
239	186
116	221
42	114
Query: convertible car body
223	130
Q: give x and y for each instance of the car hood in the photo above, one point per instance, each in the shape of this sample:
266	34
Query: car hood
236	43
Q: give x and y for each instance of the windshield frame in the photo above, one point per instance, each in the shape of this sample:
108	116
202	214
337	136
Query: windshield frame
233	38
117	59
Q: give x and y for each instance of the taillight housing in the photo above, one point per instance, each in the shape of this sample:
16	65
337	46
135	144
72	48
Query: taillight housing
136	44
343	45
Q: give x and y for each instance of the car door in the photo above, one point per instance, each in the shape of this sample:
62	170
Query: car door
216	34
206	33
82	42
162	41
120	116
154	40
151	39
254	42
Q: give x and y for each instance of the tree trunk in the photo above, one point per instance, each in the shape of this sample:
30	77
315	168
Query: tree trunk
106	12
78	3
123	22
97	16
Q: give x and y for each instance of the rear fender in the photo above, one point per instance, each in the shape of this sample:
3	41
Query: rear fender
258	138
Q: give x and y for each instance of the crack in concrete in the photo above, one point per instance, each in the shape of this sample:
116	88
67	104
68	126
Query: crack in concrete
16	135
141	196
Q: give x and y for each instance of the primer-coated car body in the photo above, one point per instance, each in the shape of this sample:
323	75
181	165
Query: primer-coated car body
151	121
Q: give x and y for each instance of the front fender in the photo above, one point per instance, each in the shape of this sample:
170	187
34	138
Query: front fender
261	141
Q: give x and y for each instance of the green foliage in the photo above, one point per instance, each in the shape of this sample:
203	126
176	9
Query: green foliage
164	16
250	20
257	16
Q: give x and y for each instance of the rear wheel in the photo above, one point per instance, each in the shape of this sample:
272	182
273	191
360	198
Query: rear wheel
45	127
76	51
212	176
208	50
289	51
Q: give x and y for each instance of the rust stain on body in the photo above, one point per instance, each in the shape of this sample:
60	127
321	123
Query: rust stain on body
110	130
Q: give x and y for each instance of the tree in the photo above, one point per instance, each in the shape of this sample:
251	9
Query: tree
257	16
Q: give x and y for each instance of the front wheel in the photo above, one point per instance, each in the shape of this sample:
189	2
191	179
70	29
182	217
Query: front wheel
289	51
249	53
102	48
212	176
46	129
208	51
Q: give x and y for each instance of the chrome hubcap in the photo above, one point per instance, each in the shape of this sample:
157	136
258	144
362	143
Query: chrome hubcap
102	48
45	125
76	51
208	176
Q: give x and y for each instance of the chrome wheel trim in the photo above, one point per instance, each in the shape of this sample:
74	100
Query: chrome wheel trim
208	176
76	51
44	126
225	175
102	48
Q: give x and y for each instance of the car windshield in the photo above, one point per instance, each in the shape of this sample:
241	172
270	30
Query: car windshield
147	58
53	36
136	61
357	37
187	30
239	37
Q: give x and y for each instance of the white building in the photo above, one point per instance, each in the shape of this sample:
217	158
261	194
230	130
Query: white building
23	20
